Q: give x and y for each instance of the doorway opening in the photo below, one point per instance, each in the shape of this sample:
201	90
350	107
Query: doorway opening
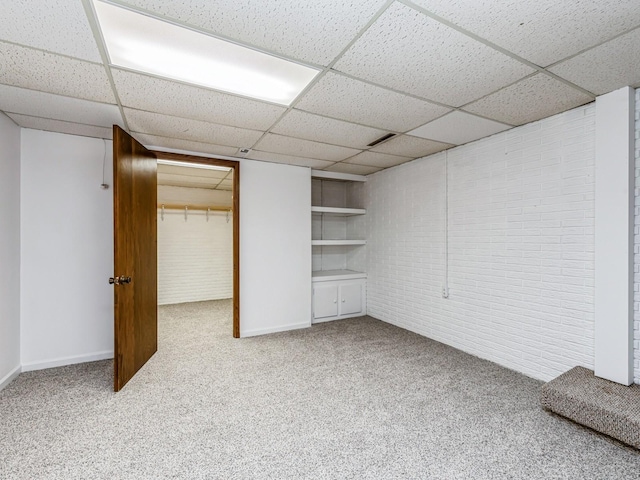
198	237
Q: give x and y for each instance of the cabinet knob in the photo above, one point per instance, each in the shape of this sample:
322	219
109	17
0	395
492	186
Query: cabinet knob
343	300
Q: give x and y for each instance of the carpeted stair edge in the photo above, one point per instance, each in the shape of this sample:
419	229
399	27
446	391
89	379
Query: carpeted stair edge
604	406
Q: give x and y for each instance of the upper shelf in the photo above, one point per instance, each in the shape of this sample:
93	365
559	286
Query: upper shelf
339	211
328	275
338	242
346	177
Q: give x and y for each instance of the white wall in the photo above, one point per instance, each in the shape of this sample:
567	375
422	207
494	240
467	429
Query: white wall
614	232
275	247
67	250
9	250
195	257
521	246
636	269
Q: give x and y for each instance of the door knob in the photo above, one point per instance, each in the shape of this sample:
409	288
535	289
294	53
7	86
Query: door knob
119	280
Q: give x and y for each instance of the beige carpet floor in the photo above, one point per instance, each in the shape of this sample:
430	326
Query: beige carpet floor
354	399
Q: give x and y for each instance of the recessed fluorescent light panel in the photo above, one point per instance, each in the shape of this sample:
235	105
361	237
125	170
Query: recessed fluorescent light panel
203	166
149	45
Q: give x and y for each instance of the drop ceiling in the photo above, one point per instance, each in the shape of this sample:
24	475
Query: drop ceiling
178	176
436	73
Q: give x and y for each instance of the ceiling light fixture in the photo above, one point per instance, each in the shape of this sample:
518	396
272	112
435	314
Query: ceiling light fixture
149	45
204	166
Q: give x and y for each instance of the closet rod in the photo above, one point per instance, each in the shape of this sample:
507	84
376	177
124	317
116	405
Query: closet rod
175	206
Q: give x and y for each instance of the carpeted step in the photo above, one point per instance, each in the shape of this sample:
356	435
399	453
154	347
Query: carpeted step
604	406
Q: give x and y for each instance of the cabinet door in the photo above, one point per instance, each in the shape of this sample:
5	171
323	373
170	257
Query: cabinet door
325	301
350	298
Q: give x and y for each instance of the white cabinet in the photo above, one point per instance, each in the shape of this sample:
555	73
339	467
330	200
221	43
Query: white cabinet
350	296
325	300
337	299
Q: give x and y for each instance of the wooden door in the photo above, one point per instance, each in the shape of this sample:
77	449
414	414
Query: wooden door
135	256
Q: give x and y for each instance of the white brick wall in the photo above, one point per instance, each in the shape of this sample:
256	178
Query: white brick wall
193	196
636	250
521	241
195	257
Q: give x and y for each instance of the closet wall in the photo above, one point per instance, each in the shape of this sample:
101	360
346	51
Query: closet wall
195	253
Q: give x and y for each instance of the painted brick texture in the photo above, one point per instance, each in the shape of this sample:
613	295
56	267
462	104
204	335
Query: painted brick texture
195	256
521	245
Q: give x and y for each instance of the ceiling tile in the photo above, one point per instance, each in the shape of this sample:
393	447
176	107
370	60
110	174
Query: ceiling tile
544	31
171	98
60	126
314	32
373	159
322	129
185	145
458	128
57	107
529	100
408	51
304	148
186	129
225	185
192	181
195	180
352	168
409	146
47	72
178	171
617	65
59	26
355	101
288	159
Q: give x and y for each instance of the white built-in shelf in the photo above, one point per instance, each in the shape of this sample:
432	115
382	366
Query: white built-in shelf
339	211
346	177
338	242
328	275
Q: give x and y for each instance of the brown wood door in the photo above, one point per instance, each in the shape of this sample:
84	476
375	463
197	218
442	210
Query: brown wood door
135	256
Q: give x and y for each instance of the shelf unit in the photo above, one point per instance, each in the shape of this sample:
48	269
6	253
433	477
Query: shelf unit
338	228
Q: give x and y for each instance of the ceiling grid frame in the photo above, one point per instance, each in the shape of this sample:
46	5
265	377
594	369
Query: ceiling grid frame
371	21
102	48
488	105
489	44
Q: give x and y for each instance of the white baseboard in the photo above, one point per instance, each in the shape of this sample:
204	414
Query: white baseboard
7	379
60	362
264	331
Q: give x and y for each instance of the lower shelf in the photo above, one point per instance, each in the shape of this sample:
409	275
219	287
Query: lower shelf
338	242
329	275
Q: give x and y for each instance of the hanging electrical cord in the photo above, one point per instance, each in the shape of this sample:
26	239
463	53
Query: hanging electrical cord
445	287
322	255
104	185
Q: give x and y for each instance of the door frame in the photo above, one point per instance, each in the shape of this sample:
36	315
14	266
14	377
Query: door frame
235	165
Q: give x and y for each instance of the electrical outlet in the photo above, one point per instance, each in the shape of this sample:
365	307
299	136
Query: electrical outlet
445	292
